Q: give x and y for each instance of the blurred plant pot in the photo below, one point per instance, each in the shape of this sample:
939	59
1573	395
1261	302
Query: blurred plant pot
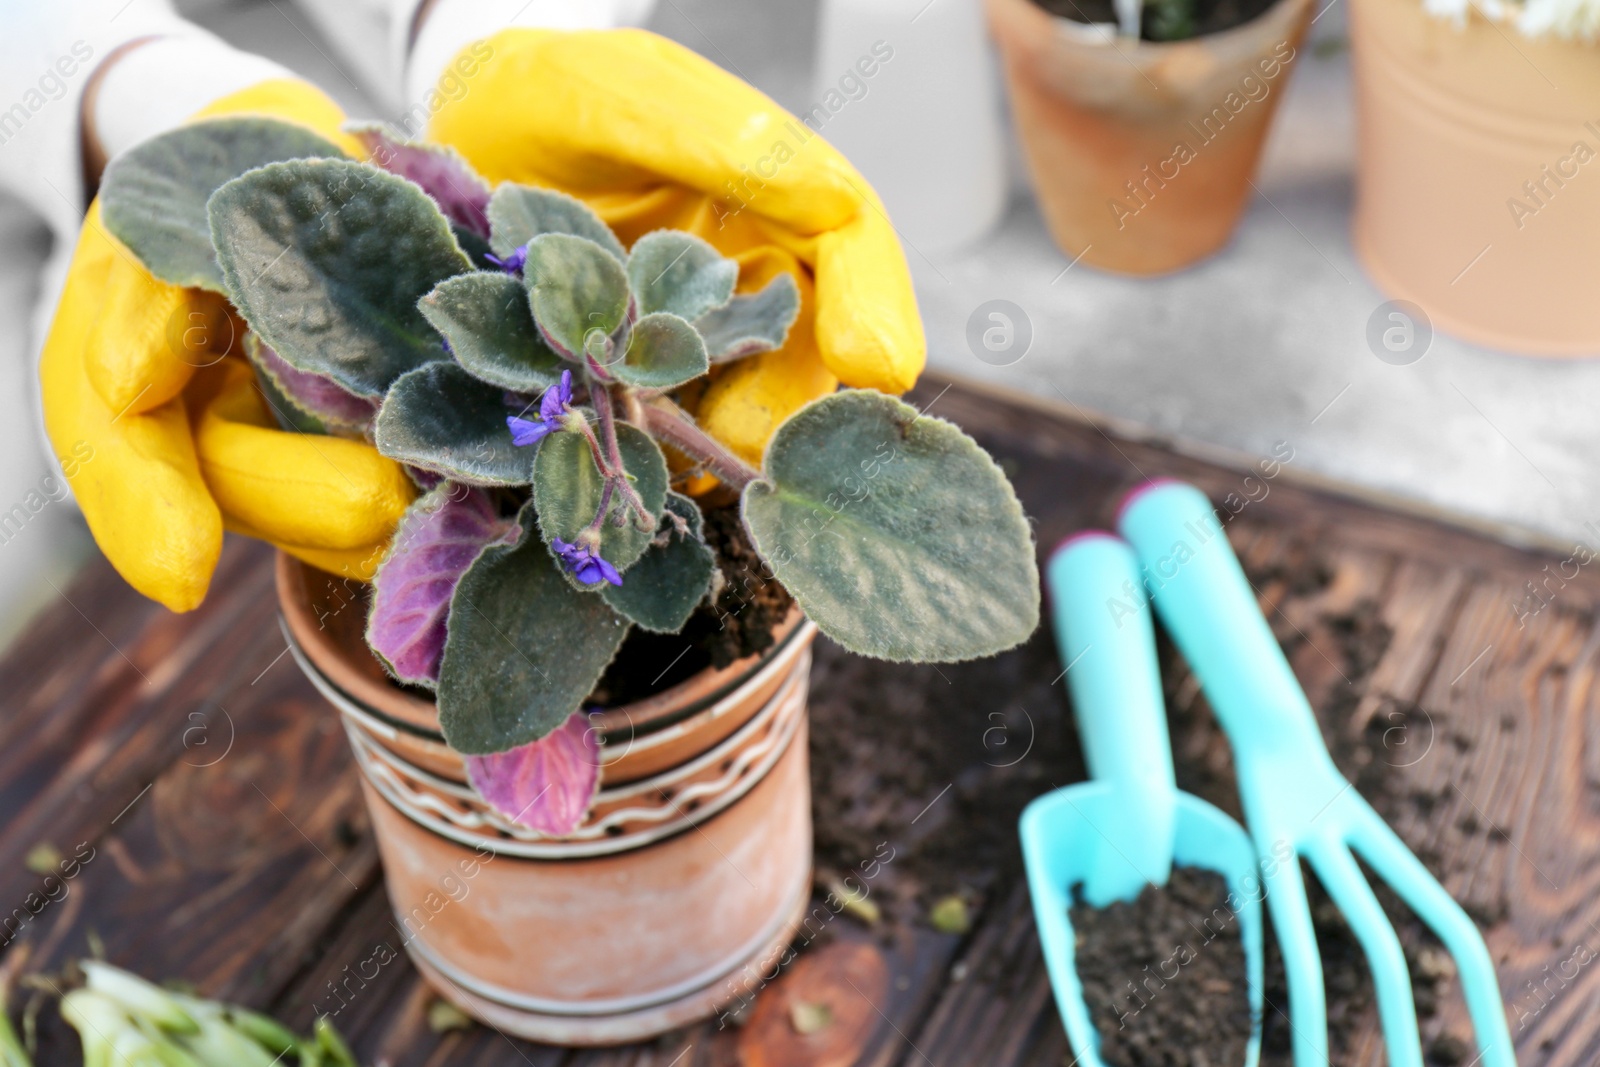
1452	123
691	871
1141	153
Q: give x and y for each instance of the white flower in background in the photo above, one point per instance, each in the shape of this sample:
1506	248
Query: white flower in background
1456	10
1573	20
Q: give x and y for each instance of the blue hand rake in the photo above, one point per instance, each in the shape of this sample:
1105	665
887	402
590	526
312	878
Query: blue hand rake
1293	795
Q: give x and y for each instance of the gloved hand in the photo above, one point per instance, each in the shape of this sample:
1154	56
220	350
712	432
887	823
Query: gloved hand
651	135
176	454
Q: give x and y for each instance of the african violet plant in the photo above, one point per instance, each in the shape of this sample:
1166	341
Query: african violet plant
529	371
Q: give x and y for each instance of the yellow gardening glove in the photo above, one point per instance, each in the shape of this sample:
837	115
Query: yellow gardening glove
162	458
331	501
651	135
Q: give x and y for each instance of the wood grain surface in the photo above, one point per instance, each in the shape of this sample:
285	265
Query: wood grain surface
210	795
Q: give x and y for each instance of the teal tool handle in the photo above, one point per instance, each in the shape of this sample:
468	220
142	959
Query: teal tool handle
1108	644
1209	608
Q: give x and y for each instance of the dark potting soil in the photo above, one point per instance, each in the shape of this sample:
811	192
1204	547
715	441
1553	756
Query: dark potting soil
1164	974
738	621
1166	20
749	604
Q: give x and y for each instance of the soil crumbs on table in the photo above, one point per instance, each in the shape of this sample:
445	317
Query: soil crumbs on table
1164	974
932	765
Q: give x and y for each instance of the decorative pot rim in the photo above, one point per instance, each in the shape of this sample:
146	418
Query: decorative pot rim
625	817
743	726
418	715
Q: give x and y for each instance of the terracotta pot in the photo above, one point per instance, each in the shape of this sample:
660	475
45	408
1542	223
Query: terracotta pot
1141	153
693	865
1452	123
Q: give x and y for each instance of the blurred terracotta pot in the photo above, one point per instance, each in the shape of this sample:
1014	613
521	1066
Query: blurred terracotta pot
1141	153
1478	185
692	868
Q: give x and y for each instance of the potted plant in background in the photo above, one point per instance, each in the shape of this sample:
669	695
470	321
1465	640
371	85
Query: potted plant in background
1141	142
576	692
1479	127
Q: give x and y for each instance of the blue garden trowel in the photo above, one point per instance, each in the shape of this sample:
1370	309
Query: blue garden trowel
1126	827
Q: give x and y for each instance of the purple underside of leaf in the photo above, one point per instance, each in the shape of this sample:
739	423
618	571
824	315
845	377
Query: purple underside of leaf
322	397
437	541
424	478
555	346
443	175
546	785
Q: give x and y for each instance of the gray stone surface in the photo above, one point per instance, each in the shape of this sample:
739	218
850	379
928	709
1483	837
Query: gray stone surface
1266	342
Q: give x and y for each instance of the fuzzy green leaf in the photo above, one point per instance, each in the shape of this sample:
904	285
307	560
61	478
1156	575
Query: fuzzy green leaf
485	317
327	259
669	270
524	648
440	418
519	213
897	534
662	590
567	485
663	352
153	197
578	292
757	322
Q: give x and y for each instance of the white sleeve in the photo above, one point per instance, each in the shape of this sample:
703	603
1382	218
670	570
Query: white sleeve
451	25
373	39
48	53
158	85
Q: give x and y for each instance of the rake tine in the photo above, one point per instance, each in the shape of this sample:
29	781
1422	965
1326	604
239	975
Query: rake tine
1343	880
1302	961
1381	847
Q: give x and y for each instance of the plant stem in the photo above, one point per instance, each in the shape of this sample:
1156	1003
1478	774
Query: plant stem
601	399
605	506
596	451
671	424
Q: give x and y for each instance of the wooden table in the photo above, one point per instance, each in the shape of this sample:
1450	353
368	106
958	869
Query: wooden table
215	794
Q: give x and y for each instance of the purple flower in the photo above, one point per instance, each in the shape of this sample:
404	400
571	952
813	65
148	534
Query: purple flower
528	431
585	563
557	399
555	403
513	263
